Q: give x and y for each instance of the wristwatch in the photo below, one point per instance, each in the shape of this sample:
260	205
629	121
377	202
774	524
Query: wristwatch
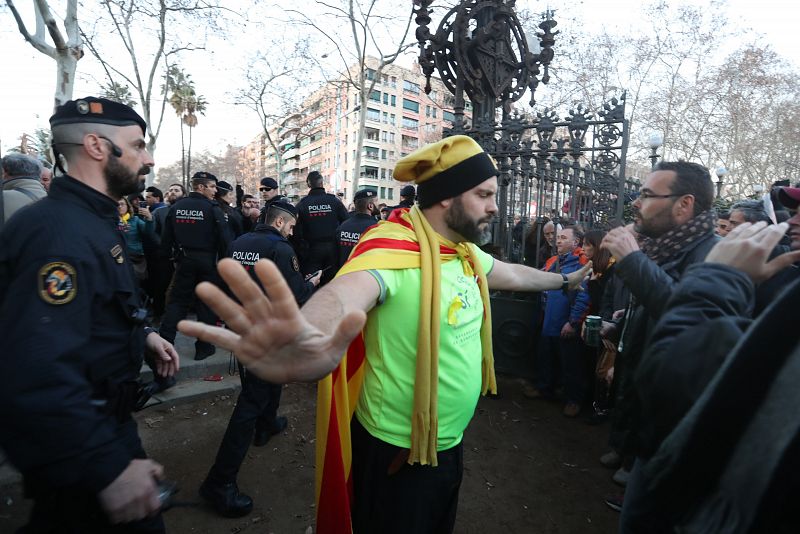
565	283
149	330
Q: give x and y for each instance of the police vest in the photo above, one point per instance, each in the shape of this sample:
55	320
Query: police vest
195	221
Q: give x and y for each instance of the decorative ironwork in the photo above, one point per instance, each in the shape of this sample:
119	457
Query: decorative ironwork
568	170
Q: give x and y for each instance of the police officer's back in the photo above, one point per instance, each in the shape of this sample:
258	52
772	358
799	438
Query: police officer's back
197	234
73	334
319	214
349	232
257	406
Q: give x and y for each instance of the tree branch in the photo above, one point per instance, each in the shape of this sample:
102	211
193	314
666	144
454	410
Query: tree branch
36	41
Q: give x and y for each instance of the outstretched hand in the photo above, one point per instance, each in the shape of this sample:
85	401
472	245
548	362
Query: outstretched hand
269	334
747	248
578	277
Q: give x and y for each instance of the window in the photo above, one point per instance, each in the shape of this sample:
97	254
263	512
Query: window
385	98
315	152
392	119
394	100
393	81
368	171
385	136
383	154
410	143
375	96
385	79
391	154
411	105
390	190
410	124
385	117
383	190
391	137
372	134
411	87
373	115
383	177
370	152
369	74
427	111
433	112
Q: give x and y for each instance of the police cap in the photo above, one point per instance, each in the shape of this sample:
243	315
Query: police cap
224	187
204	176
98	111
284	206
365	193
269	182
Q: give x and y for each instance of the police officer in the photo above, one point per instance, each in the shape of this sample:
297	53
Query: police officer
257	406
197	234
318	215
349	232
269	191
73	335
224	197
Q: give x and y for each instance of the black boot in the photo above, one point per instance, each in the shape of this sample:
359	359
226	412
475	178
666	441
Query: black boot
226	499
203	350
262	436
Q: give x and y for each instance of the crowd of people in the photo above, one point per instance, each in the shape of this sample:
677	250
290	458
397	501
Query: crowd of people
657	327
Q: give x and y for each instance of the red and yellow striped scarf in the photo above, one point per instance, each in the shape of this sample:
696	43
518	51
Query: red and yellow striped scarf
405	241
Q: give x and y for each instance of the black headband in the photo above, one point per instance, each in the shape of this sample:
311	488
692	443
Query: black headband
457	179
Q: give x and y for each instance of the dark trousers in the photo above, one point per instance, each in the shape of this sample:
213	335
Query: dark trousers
639	515
71	510
416	498
160	277
320	255
568	356
256	409
191	270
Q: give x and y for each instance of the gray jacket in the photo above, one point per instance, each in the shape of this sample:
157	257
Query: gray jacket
19	192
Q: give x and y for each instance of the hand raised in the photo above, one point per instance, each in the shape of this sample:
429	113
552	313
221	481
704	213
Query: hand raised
576	278
620	242
269	334
747	248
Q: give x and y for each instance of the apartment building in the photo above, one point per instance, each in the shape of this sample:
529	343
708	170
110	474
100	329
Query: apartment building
323	136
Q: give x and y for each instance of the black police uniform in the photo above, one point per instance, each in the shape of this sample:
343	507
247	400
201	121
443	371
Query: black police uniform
258	401
319	214
349	232
73	341
197	233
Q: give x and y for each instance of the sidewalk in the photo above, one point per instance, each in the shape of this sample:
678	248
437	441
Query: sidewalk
192	385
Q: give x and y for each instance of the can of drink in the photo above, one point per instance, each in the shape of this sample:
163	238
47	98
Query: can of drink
593	323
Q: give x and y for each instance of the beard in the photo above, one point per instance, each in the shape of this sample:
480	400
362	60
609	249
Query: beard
656	225
460	222
120	181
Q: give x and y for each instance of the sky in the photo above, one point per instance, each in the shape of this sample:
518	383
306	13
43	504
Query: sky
26	95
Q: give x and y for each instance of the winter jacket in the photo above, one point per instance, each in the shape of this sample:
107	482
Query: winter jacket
720	391
19	192
560	306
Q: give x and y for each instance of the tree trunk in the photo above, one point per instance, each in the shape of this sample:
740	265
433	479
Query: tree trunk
184	174
189	155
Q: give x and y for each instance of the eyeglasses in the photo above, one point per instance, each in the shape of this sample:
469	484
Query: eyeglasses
265	188
644	196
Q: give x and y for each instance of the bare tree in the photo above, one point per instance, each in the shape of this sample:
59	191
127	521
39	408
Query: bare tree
369	27
147	29
66	49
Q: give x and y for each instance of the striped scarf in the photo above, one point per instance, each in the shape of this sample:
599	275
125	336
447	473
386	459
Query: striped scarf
405	241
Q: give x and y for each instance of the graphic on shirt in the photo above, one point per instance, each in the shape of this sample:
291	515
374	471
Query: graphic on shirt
57	283
187	216
318	210
246	258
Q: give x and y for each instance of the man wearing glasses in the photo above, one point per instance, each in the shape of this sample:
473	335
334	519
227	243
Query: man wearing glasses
268	190
674	227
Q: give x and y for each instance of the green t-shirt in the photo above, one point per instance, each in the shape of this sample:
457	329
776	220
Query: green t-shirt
387	397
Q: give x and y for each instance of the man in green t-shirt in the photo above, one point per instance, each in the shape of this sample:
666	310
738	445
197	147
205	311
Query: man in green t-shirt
409	315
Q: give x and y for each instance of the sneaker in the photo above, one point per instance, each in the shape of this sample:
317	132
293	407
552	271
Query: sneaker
615	501
621	476
611	460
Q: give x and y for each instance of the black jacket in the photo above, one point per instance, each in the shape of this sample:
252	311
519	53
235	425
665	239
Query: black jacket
318	216
265	242
68	321
721	392
196	224
349	232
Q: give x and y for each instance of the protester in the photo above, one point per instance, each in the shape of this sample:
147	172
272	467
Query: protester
406	469
20	184
135	229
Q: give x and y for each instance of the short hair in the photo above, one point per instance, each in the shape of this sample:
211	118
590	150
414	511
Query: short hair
68	138
201	180
314	179
156	192
247	197
273	212
362	204
183	189
691	179
752	210
577	233
22	165
724	214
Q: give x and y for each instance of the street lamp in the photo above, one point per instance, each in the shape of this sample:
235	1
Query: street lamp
721	173
654	141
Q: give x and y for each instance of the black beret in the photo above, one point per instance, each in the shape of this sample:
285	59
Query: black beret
284	206
224	186
365	193
96	110
204	175
269	182
408	191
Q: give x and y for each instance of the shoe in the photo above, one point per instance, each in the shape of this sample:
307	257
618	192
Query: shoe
203	350
262	437
611	460
615	501
621	476
163	383
226	499
572	409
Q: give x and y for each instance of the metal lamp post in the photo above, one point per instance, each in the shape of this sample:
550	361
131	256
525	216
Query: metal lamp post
721	173
654	141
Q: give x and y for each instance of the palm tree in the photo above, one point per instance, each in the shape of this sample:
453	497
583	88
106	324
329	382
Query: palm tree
181	87
195	104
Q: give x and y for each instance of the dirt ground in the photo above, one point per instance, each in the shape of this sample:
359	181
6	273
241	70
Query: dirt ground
527	469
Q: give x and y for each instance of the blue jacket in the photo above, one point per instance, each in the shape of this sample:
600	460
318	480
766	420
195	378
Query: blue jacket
560	306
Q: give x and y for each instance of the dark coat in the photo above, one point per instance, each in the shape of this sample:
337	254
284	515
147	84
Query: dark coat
723	409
